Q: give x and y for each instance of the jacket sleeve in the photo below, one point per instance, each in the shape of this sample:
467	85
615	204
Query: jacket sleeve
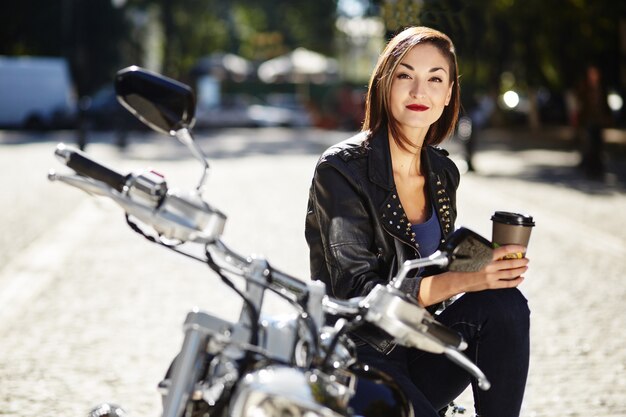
346	260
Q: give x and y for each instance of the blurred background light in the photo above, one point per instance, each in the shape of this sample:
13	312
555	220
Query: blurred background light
511	99
615	101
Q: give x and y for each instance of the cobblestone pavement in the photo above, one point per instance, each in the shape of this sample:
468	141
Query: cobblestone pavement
92	313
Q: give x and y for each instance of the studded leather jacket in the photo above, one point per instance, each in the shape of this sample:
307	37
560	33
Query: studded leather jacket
357	231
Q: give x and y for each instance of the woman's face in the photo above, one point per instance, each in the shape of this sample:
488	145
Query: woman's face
420	90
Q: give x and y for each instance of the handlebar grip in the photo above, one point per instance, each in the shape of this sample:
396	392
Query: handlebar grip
445	334
87	167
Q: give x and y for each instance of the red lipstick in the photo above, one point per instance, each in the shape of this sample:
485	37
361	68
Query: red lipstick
417	107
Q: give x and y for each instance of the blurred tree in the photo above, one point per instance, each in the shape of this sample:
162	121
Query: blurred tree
88	34
191	29
287	23
540	44
100	36
30	28
540	41
96	39
257	30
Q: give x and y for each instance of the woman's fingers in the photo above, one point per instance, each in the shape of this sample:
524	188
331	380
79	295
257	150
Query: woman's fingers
510	273
507	272
509	252
510	283
511	263
501	272
507	264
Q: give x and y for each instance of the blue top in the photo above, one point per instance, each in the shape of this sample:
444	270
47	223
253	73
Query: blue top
427	235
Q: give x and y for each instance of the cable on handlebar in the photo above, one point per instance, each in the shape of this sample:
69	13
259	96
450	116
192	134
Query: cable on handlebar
358	321
303	316
252	311
152	239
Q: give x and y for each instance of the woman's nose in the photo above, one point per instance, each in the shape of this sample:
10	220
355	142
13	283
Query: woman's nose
416	90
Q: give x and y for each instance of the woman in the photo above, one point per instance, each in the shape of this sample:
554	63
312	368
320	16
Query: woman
388	195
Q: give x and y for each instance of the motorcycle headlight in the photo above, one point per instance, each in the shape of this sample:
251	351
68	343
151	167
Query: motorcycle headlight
287	392
265	406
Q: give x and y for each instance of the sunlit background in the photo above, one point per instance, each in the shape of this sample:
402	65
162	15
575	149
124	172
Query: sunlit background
98	314
267	58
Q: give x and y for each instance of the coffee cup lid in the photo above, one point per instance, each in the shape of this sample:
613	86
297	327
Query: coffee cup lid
515	219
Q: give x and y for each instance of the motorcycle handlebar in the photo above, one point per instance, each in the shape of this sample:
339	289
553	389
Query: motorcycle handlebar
462	360
291	287
87	167
299	291
446	335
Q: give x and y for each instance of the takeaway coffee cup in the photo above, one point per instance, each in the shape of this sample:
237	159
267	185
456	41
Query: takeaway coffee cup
511	228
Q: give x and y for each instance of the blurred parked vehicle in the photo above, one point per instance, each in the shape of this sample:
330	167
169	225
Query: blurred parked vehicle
292	111
36	93
102	111
231	111
243	110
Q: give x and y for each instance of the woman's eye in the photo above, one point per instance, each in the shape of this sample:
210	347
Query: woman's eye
403	76
436	79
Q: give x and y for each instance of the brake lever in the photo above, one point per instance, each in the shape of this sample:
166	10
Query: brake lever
460	359
86	184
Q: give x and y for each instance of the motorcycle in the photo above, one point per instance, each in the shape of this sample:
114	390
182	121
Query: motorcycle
301	366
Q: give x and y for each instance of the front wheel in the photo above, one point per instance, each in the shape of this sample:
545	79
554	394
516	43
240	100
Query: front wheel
452	409
107	410
199	405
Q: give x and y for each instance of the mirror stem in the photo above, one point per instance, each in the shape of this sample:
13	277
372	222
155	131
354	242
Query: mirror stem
438	258
184	136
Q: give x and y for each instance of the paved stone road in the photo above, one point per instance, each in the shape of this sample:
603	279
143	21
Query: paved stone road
105	306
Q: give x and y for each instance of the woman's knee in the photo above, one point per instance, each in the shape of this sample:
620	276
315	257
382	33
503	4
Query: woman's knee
506	309
503	307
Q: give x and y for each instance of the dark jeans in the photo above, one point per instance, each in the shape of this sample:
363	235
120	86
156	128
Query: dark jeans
495	324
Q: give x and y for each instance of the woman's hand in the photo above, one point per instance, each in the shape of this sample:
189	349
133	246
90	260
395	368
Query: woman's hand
504	271
499	273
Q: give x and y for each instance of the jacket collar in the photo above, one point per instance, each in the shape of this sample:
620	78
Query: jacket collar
392	213
380	168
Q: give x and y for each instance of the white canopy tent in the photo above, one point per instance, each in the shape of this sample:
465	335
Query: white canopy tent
299	66
224	66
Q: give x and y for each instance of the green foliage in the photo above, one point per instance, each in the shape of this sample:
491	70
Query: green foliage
31	27
540	43
269	28
99	38
88	33
193	28
257	30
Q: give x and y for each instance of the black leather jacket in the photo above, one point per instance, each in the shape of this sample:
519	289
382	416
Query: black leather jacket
356	228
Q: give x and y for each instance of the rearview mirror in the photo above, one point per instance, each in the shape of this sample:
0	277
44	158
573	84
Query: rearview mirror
164	104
